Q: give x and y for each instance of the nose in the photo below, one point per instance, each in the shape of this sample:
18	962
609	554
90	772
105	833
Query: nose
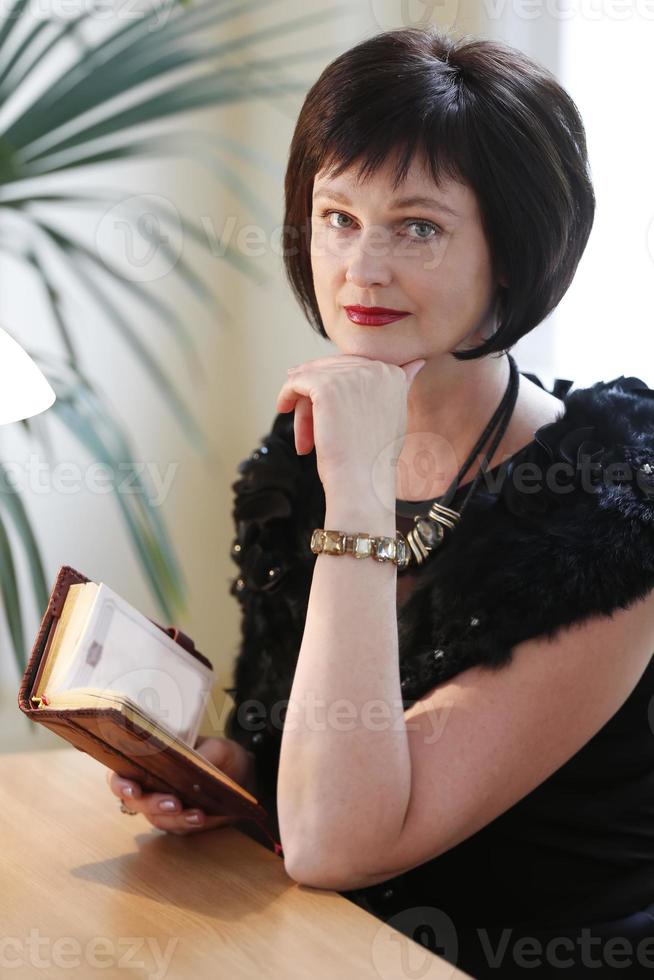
367	264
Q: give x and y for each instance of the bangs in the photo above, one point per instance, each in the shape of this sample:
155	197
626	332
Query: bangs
423	117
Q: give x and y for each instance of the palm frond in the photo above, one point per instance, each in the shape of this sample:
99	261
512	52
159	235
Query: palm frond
12	505
83	414
94	83
75	249
10	598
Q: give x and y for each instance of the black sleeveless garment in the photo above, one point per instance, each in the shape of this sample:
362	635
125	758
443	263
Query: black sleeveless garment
579	848
527	875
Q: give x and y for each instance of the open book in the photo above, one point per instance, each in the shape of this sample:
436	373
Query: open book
130	693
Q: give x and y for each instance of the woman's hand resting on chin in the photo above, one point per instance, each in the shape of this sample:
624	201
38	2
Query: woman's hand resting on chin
352	409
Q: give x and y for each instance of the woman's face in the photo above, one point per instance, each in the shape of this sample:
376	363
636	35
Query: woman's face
424	259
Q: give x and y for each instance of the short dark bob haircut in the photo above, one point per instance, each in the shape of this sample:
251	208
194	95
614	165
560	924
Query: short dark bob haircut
478	111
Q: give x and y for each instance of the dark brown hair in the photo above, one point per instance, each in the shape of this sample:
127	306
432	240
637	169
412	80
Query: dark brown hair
478	111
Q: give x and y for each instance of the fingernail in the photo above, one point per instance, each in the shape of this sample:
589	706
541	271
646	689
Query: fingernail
193	818
167	805
127	790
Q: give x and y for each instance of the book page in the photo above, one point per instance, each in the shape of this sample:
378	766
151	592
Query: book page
68	630
122	651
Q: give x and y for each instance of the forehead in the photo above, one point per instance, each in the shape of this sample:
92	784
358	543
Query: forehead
451	194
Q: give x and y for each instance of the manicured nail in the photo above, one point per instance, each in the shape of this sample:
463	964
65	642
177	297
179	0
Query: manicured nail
167	805
128	790
193	818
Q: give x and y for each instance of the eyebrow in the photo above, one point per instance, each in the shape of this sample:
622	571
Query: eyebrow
399	202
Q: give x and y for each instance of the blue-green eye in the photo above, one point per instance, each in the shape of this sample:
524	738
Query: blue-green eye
426	224
414	221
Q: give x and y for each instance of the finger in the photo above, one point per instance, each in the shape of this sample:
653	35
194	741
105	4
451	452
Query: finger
332	359
294	389
412	369
180	824
123	787
303	426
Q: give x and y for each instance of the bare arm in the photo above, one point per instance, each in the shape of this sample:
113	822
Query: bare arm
345	770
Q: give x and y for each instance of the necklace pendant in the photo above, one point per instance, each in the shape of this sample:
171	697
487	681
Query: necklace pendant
424	538
429	532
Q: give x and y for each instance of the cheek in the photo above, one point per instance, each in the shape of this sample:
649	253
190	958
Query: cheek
327	273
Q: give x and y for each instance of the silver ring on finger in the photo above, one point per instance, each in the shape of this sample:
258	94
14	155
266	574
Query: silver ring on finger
123	809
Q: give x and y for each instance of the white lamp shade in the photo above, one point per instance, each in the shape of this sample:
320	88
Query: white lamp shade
24	390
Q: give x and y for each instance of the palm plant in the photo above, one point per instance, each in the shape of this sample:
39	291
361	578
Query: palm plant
97	106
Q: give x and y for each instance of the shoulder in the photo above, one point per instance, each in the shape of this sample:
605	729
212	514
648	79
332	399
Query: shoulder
565	534
598	454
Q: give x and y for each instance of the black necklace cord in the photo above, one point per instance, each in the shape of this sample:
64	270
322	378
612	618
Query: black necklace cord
429	530
501	415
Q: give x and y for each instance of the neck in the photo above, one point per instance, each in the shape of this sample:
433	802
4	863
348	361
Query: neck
449	405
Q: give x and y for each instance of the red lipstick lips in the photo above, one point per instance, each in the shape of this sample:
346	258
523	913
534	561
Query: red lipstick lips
373	316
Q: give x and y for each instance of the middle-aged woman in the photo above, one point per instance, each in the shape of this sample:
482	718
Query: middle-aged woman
451	724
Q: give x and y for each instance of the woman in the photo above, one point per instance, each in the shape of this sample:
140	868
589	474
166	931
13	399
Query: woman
490	789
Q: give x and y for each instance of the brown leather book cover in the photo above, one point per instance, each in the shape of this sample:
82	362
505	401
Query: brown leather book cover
127	747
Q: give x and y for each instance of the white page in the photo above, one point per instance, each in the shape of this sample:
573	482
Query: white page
123	651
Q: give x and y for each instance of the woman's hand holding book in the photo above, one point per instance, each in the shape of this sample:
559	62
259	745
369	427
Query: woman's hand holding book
229	756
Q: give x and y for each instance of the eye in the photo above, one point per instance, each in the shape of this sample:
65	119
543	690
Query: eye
428	225
326	214
414	221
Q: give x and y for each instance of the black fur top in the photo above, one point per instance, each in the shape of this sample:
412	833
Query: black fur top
566	538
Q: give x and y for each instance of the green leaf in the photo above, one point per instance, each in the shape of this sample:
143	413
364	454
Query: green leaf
76	249
13	506
197	93
10	599
161	570
67	99
10	82
11	19
52	297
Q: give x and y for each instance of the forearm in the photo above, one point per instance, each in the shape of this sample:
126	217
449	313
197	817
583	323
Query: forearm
344	772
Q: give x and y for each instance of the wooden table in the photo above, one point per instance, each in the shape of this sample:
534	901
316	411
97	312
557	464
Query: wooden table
88	891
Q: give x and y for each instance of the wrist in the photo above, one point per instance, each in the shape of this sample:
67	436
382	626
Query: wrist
352	506
351	517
